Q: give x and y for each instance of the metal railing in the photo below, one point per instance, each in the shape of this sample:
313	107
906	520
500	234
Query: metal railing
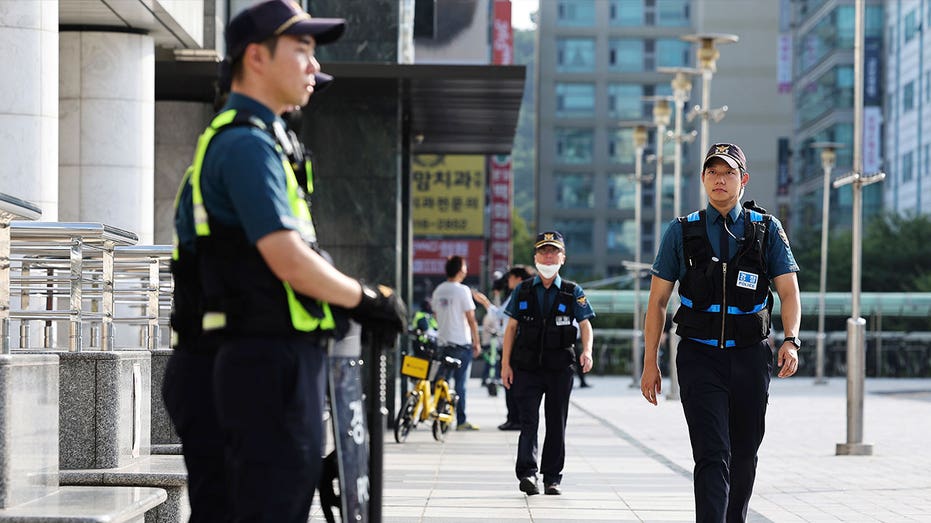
91	277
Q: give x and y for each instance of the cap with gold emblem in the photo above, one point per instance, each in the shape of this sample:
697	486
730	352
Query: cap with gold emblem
275	18
550	238
730	153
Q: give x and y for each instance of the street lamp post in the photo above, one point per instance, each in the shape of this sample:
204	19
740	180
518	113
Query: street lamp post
640	142
708	54
856	326
681	90
661	113
828	159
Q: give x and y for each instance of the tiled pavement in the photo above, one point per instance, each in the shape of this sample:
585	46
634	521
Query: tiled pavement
629	461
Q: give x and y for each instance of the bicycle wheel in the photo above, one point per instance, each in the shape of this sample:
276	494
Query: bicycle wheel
405	421
444	418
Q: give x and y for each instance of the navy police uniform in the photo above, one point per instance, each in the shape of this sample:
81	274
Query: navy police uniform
724	265
542	358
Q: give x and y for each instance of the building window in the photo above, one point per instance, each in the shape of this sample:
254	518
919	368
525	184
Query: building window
625	101
621	236
911	26
578	235
621	145
576	13
908	97
672	13
574	191
627	55
621	192
575	55
927	159
927	86
626	13
673	53
908	167
574	146
575	100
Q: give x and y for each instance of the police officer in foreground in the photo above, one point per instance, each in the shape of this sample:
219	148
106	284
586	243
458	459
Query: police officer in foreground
725	258
270	301
538	360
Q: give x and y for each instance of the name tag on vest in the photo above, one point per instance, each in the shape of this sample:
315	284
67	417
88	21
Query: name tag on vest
747	280
563	320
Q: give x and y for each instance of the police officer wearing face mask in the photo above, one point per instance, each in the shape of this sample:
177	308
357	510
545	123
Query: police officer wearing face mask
537	360
725	258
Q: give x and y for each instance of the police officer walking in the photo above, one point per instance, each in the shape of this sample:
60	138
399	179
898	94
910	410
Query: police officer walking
269	301
725	258
538	360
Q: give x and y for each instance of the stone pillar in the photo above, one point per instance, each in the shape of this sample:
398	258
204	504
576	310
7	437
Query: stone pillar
177	126
107	121
29	102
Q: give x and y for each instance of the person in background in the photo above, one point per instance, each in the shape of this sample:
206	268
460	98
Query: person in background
458	330
538	360
514	276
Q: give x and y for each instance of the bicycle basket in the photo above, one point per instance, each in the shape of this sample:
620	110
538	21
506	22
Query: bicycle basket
415	367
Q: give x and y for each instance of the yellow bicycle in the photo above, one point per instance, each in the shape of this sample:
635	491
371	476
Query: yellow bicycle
423	403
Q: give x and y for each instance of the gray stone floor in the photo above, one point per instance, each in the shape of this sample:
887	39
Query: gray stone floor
630	461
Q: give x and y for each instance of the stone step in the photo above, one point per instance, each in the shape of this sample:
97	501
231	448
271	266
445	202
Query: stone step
88	505
167	472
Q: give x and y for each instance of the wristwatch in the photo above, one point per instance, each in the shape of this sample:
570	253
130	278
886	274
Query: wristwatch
794	341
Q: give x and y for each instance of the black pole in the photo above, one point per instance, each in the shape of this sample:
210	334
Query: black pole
376	424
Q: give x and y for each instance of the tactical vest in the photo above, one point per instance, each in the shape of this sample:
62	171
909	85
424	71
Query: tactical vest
241	294
547	341
725	304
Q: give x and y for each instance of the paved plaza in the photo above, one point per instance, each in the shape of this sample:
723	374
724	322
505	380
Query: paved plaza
630	461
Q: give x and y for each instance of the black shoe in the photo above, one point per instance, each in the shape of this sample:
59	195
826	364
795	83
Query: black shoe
529	486
509	425
584	386
552	490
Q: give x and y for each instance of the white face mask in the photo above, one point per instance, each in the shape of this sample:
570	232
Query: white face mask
547	271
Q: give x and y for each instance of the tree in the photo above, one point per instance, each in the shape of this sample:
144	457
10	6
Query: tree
521	239
895	253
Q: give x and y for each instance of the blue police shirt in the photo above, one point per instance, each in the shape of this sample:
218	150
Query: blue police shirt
243	179
546	297
670	263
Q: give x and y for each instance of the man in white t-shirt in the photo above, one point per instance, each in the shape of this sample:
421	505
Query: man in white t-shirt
458	331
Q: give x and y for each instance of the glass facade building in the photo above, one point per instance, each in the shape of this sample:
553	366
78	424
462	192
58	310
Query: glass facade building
597	59
823	83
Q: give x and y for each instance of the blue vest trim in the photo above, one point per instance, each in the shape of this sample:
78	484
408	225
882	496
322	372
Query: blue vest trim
730	310
755	216
693	217
522	305
714	343
758	308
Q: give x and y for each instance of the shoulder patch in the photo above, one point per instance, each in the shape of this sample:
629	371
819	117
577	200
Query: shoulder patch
785	239
581	300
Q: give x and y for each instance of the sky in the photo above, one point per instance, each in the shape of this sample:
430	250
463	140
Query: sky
520	13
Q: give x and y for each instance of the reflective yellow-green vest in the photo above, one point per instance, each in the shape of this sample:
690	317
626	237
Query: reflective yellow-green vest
242	295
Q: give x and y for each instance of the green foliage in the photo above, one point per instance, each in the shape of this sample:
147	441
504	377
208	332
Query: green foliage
895	255
521	239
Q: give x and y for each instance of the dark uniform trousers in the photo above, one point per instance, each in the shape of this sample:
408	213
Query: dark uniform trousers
529	388
270	395
187	389
724	395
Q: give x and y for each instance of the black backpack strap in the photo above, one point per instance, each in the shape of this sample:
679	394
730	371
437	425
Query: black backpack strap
694	244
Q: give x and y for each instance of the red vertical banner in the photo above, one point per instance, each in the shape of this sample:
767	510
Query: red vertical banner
502	34
499	171
500	212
